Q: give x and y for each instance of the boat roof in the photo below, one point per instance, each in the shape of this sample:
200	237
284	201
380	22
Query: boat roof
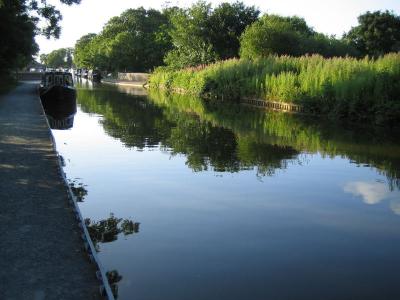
57	73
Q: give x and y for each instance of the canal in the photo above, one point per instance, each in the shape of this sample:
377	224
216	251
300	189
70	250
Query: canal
188	199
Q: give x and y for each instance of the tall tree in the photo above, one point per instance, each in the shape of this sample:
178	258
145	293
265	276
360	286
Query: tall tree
136	40
377	33
191	37
60	58
277	35
81	51
201	35
227	22
19	25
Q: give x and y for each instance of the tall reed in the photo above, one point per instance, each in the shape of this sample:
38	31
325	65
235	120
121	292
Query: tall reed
352	88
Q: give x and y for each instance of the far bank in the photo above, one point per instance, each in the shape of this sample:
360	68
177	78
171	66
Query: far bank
344	88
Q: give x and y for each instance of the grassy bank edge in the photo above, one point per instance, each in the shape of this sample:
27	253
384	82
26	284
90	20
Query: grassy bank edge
355	89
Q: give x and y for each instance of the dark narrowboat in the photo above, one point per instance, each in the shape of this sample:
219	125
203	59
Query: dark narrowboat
57	89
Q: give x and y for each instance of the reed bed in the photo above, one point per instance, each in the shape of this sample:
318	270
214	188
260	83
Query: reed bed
358	89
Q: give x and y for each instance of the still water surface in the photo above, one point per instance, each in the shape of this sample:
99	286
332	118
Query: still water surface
233	203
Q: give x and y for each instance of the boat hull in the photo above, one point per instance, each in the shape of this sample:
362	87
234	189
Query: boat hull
59	101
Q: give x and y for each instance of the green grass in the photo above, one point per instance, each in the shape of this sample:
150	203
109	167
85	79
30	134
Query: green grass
366	89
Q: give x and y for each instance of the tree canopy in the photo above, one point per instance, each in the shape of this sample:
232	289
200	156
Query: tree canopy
134	41
60	58
377	33
201	35
19	25
277	35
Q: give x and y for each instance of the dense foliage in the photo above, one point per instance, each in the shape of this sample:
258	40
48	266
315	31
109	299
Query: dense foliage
201	35
140	39
60	58
134	41
19	25
229	137
274	34
377	33
344	87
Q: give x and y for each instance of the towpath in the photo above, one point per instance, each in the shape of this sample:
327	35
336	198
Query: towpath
41	253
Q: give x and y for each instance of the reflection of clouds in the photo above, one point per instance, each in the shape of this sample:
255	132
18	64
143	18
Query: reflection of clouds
395	206
371	192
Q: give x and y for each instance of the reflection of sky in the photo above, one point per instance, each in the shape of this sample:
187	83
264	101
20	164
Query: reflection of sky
374	193
233	236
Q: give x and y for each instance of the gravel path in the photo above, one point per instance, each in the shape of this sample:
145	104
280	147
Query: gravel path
41	253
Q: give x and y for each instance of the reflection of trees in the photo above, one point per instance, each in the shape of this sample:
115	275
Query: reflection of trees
138	123
375	147
230	137
107	230
113	278
78	189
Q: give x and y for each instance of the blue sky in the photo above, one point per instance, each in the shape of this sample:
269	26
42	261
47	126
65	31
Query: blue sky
330	17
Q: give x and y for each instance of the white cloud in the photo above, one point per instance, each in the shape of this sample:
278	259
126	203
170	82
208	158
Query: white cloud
395	206
371	192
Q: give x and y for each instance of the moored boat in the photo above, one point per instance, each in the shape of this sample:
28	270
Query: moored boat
57	88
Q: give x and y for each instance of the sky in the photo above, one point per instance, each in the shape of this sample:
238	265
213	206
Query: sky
329	17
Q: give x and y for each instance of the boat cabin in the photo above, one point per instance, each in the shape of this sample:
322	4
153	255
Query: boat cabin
57	78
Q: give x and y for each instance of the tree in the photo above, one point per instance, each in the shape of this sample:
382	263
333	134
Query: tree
81	57
60	58
190	34
19	25
17	30
272	34
377	33
201	35
227	22
136	40
276	35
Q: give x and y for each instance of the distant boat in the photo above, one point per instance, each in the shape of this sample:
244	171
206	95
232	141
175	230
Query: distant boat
57	87
94	75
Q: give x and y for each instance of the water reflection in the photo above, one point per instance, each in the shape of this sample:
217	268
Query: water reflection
107	230
113	278
373	193
78	189
140	124
231	138
60	115
325	197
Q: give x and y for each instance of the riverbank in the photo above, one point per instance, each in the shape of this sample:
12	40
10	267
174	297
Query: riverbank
128	79
41	248
124	82
359	90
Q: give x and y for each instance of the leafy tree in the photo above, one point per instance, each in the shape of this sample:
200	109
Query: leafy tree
227	22
134	41
17	30
272	34
19	25
276	35
201	35
377	33
60	58
190	35
81	57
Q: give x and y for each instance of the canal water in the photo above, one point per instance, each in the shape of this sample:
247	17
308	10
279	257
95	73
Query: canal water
188	199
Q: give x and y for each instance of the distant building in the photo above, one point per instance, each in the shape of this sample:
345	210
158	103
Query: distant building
35	66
